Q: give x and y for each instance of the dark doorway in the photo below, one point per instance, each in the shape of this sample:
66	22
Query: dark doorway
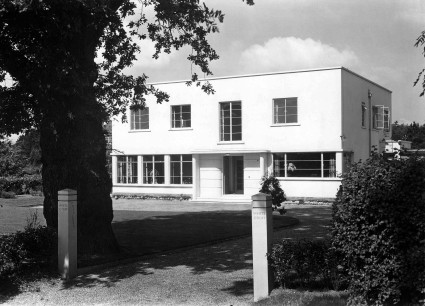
233	174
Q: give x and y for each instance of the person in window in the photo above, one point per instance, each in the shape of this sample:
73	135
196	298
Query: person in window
291	168
151	175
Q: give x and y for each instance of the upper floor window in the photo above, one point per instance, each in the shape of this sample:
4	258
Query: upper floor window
127	169
363	114
139	119
304	164
230	121
381	117
181	169
153	169
180	116
285	110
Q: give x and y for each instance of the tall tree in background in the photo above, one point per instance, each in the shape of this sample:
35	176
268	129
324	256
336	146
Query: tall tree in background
420	42
48	48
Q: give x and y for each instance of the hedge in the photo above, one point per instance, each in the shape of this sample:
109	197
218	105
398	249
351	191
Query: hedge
306	264
21	184
379	228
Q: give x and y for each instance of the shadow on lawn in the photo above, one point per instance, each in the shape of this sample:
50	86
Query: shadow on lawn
163	233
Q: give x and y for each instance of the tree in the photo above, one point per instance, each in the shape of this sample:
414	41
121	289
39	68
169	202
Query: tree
412	132
48	48
420	42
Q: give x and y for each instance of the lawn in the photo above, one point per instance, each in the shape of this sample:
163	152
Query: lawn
142	232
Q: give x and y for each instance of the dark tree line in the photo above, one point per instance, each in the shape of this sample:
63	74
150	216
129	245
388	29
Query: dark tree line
411	132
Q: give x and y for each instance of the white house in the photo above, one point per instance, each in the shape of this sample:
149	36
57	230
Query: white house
302	126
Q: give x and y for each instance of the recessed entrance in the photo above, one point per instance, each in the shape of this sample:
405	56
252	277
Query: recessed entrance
233	174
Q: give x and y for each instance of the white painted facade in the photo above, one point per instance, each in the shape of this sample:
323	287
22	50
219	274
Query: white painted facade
329	121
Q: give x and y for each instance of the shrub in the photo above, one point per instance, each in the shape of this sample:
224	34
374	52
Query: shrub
307	264
271	185
379	227
22	251
21	184
7	194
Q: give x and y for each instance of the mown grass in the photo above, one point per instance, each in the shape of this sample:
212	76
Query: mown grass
291	297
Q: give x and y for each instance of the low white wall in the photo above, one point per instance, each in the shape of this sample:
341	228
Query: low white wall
305	188
152	189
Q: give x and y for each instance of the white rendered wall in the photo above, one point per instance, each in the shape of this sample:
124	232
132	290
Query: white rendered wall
324	125
355	91
318	128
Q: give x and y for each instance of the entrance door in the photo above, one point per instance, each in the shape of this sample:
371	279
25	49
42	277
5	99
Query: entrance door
233	174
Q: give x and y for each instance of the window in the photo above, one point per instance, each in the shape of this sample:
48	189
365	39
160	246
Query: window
181	169
153	169
363	114
381	117
139	119
127	170
180	116
285	110
230	121
304	164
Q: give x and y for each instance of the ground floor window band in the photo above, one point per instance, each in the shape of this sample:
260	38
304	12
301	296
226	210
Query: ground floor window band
305	164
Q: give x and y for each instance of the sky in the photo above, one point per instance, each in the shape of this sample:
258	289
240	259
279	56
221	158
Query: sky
374	38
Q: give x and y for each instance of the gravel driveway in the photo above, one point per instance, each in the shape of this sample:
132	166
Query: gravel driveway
219	274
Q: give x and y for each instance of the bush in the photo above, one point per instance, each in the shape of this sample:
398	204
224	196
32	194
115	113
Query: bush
379	227
306	264
7	195
271	185
32	248
21	184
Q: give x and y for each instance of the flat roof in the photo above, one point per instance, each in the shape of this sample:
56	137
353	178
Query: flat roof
274	73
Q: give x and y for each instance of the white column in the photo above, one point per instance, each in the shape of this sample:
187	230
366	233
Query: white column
262	230
139	170
67	233
114	169
167	169
262	165
195	176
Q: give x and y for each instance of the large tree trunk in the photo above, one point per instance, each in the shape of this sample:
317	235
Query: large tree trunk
73	155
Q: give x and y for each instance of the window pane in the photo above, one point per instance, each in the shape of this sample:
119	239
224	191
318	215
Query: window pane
175	158
304	164
175	174
159	158
187	157
148	172
329	165
291	119
159	173
186	109
291	102
279	165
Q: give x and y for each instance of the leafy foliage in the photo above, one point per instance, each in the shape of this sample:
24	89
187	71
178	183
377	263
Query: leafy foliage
25	250
307	264
411	132
420	42
271	185
379	228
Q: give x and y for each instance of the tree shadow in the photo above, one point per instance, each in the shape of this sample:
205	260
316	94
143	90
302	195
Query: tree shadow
161	241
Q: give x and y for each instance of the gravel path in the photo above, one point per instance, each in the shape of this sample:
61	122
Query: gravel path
220	274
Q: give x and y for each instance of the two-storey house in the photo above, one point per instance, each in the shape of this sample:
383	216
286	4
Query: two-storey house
301	126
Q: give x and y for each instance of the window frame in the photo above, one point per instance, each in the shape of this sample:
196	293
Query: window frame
274	116
173	120
133	122
381	117
222	119
146	176
331	169
181	163
126	165
364	114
